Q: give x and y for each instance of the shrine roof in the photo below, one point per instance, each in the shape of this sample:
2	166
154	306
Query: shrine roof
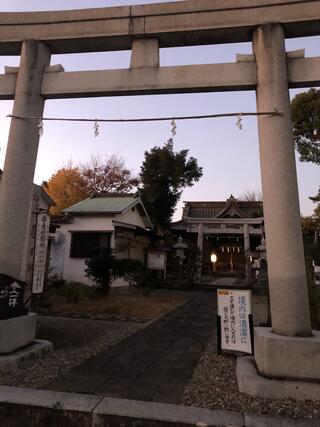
220	209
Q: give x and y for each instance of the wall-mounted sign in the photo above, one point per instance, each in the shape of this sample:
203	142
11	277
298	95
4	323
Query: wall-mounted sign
40	252
235	320
157	260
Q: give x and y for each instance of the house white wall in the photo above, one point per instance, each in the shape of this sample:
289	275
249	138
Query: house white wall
130	246
131	216
72	269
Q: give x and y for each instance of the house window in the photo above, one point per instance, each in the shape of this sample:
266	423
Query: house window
87	245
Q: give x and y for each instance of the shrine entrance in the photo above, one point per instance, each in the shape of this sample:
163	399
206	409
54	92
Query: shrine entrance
230	255
144	30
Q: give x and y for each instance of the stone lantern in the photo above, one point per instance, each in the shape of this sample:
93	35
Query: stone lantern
180	248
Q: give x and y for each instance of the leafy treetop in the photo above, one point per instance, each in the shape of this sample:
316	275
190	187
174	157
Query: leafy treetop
305	111
164	174
73	183
109	175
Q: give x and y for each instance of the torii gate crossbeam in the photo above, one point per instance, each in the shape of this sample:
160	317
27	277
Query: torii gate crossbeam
238	76
184	23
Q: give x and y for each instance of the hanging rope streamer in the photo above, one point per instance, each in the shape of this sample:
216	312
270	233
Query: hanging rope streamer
239	121
40	128
173	127
96	128
147	119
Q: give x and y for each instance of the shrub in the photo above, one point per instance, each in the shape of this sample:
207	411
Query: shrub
133	271
104	268
99	269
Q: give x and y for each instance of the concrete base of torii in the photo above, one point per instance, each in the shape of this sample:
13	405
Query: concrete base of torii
253	384
282	368
281	356
18	345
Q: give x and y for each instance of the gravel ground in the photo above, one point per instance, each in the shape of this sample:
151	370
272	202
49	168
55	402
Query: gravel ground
74	341
214	383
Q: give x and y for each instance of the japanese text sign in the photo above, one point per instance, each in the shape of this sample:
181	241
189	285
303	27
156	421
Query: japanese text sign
40	252
234	308
11	293
156	261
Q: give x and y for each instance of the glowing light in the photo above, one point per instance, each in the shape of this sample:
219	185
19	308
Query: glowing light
213	258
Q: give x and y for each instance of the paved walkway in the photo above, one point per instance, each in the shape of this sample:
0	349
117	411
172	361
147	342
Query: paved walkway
208	283
155	363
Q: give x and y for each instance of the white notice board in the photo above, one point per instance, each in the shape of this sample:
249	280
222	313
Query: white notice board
40	252
234	308
156	261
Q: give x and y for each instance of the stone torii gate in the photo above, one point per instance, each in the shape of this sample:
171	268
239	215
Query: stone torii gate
144	29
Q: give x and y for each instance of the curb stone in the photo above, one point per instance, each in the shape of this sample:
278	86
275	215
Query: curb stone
36	408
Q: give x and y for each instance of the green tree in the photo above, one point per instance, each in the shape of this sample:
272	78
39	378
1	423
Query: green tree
164	174
316	210
311	228
308	228
305	111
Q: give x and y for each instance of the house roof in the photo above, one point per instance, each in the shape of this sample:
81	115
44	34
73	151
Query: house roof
108	204
102	204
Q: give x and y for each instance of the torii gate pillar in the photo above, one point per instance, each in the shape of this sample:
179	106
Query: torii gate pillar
17	179
282	351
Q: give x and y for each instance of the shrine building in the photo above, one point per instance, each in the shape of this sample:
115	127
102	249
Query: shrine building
227	232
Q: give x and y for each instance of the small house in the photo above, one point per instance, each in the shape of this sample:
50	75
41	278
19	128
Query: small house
117	221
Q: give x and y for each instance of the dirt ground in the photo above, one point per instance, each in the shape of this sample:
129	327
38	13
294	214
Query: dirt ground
119	303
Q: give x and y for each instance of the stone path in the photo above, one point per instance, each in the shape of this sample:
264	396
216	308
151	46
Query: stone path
209	283
154	364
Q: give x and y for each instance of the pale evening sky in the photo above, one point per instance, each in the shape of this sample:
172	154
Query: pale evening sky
229	157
